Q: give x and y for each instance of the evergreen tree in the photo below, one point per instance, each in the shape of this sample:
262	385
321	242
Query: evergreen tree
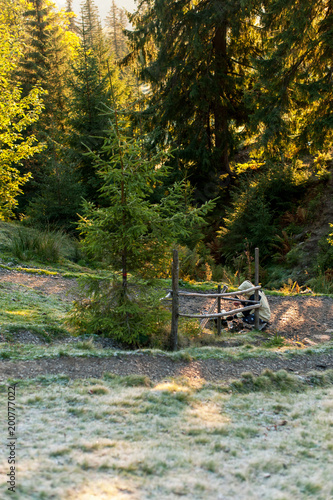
92	35
89	24
90	94
17	113
131	234
46	62
116	22
293	94
59	197
71	16
195	58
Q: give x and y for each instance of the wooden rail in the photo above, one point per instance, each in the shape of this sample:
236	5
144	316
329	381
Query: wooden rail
221	315
255	304
214	295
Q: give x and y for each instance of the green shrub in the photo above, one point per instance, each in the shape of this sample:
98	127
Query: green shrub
276	277
195	264
188	330
266	382
275	341
133	316
321	284
294	257
257	203
42	246
249	218
325	255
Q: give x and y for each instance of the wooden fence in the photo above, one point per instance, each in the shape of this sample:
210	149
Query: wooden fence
221	294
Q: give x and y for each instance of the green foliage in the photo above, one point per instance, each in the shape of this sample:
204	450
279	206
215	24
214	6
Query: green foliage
17	113
277	276
330	237
116	22
189	332
252	220
130	231
89	93
291	98
294	257
195	264
41	246
275	341
133	315
59	196
280	381
196	58
46	59
325	256
90	82
47	48
323	283
249	221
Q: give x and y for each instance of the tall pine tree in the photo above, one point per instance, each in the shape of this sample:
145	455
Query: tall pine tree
17	112
116	22
195	57
46	63
90	95
293	95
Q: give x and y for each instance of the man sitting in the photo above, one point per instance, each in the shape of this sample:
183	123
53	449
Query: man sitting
264	309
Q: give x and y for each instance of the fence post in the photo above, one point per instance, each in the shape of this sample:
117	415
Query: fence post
175	301
219	310
256	283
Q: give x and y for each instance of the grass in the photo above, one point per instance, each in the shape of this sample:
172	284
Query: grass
26	244
86	348
267	437
25	309
121	438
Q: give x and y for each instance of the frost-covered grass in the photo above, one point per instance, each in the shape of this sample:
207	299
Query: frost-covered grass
127	438
87	348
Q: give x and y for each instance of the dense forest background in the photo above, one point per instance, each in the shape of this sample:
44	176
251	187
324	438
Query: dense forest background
207	123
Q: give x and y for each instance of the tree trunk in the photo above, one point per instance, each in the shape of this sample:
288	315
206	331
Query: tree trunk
220	109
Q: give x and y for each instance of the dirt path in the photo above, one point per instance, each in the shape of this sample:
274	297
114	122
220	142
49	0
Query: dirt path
47	284
161	367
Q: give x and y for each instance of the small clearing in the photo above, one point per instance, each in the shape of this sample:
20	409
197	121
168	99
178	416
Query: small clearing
301	320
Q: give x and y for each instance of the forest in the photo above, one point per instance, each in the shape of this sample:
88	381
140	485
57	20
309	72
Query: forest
203	124
197	128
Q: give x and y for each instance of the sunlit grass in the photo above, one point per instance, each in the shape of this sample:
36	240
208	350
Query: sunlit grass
25	313
23	308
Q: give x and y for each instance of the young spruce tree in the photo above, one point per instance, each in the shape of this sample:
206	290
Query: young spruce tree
132	235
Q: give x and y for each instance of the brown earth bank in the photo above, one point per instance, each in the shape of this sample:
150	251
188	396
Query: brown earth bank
299	319
159	367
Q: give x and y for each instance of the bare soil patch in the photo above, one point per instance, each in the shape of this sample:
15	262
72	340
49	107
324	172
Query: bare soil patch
303	319
47	284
